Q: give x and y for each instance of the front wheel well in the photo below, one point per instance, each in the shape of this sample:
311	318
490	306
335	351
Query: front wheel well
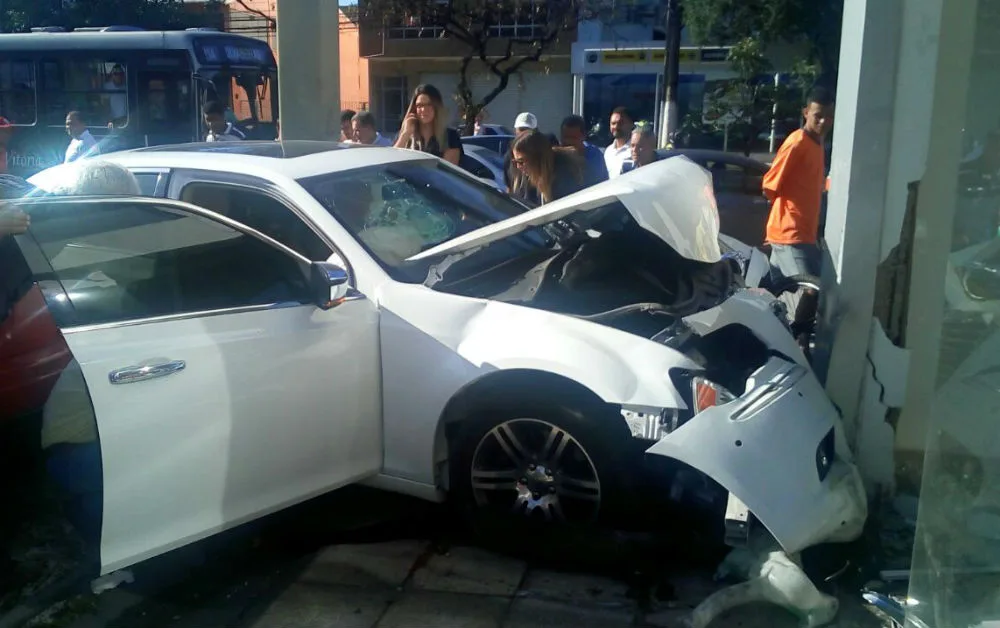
501	385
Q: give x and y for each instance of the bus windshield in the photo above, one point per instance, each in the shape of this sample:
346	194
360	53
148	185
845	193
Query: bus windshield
252	93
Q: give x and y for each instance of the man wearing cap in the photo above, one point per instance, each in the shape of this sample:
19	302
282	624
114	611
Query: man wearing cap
524	123
6	128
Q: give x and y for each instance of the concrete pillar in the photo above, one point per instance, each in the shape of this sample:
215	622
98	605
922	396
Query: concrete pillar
309	69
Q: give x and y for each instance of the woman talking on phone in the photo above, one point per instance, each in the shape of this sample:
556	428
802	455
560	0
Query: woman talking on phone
425	127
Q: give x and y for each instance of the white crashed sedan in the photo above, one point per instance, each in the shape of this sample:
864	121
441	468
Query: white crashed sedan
274	321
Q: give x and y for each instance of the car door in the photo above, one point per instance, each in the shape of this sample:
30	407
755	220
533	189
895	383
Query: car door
219	390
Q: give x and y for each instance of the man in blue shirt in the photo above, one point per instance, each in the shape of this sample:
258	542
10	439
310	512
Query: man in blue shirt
574	134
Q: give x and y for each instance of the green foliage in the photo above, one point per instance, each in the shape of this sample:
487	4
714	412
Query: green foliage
813	22
22	15
745	105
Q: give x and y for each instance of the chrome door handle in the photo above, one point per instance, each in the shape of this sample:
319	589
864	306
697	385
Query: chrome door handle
142	373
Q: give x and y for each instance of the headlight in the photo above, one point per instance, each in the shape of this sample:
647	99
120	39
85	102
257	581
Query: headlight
706	394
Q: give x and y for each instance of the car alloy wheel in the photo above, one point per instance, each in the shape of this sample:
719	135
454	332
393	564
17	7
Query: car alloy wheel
535	469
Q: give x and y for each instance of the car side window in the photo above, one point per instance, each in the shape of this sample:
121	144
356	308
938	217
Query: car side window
729	178
260	212
121	260
147	182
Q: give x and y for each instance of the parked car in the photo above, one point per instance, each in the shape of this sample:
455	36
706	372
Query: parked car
737	180
496	143
280	320
494	129
485	164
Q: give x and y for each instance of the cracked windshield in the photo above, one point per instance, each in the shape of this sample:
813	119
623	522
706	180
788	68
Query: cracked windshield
521	313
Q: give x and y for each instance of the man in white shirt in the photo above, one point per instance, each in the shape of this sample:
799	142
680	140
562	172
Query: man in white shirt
363	131
117	97
82	143
619	151
219	130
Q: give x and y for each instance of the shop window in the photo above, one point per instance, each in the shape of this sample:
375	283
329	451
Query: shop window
17	92
98	89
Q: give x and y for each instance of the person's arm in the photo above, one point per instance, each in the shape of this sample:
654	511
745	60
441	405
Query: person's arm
782	170
13	221
453	152
406	130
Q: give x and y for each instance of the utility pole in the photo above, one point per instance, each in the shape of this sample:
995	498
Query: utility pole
671	69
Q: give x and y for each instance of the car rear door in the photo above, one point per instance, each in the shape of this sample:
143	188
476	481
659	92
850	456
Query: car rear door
219	391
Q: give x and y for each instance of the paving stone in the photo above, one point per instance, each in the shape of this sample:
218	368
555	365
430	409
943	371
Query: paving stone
534	613
368	565
445	610
306	606
576	588
470	570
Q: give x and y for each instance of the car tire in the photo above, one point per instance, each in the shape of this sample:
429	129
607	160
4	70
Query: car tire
587	434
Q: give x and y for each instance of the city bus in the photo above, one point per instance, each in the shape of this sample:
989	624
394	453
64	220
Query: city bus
133	87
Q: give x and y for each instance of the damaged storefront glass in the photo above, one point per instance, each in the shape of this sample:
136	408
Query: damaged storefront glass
954	579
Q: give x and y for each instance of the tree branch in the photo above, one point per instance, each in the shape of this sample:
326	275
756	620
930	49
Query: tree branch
271	21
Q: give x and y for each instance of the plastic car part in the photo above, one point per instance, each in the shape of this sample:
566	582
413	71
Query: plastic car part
772	577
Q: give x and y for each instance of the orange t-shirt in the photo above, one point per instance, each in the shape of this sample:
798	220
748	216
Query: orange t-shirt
795	185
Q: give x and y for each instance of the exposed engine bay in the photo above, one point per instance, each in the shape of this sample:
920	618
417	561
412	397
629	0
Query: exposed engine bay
627	278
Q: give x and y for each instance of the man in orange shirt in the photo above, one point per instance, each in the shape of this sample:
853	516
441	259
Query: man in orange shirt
794	185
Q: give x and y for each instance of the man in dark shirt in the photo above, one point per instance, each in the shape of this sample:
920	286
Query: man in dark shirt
574	135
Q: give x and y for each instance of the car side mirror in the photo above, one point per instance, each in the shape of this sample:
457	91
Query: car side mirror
329	284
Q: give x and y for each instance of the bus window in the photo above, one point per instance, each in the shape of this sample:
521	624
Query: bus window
251	94
17	92
96	88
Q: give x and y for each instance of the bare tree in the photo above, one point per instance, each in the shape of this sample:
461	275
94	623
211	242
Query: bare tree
272	22
505	36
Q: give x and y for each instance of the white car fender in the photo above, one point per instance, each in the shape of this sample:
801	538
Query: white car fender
753	310
780	449
461	339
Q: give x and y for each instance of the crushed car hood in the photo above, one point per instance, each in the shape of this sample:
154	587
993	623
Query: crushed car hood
671	198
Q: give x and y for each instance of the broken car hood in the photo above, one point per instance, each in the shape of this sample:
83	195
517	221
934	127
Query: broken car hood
671	198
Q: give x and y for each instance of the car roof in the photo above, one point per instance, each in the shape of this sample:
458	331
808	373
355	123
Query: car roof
704	154
291	159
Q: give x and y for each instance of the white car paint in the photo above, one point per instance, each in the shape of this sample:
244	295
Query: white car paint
369	359
734	444
672	199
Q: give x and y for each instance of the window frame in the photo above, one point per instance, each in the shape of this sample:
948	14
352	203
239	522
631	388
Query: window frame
34	88
181	178
33	252
61	60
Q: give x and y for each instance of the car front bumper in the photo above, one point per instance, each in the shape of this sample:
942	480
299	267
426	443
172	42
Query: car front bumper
780	449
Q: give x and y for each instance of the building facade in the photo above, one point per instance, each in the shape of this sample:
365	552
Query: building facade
403	55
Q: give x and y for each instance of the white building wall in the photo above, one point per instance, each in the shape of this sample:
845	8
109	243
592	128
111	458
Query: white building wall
889	109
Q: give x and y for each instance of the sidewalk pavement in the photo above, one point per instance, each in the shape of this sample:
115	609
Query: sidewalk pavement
407	584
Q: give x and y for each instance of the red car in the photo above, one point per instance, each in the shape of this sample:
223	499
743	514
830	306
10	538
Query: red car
32	349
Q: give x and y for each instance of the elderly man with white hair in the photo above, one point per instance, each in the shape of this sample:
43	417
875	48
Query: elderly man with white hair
90	177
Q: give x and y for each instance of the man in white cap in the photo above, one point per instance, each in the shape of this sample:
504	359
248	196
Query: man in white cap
525	122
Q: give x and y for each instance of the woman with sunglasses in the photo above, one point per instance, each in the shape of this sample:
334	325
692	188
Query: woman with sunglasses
425	127
544	172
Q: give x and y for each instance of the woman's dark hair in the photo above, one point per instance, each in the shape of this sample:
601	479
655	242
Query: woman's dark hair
541	160
347	115
440	115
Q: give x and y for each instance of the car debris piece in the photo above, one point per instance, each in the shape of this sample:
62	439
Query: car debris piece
737	522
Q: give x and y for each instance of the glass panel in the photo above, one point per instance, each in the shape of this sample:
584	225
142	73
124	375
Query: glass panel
955	578
97	88
17	92
124	261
